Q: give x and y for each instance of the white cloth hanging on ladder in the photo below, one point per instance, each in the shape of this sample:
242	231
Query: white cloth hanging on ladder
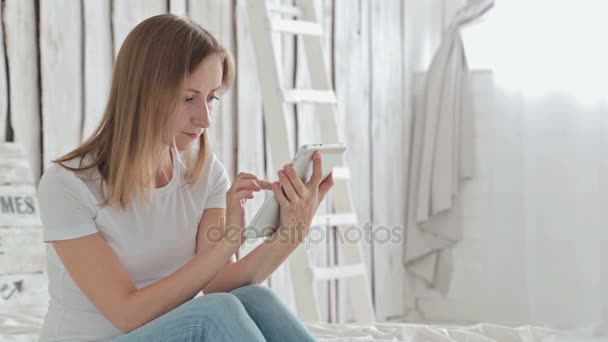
441	156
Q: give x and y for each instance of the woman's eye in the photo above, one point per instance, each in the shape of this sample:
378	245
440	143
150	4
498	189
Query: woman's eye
213	98
188	99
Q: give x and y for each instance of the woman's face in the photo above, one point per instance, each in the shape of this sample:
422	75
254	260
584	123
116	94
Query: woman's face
198	93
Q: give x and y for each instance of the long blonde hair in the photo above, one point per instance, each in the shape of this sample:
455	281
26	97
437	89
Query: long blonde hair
152	63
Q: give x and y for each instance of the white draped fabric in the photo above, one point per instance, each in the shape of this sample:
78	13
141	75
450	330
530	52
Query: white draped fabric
441	156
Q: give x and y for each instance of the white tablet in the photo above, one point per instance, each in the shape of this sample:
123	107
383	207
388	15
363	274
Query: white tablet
266	220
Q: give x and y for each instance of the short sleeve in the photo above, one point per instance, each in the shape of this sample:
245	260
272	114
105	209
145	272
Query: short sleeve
219	184
65	211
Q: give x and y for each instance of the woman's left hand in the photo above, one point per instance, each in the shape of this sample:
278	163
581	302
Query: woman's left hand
298	201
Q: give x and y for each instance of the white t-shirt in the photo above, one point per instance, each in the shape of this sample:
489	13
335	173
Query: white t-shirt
151	239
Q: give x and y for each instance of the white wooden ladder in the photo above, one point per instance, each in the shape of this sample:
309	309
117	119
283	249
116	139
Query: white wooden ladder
275	99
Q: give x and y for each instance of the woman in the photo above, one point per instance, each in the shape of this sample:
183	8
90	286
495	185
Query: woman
138	221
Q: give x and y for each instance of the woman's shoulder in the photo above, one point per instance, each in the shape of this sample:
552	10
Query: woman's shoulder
57	172
62	177
212	170
72	170
189	158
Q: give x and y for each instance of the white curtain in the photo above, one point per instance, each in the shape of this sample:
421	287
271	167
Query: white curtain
547	257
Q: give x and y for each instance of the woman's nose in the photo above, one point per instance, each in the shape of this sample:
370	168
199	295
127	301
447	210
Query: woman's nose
203	118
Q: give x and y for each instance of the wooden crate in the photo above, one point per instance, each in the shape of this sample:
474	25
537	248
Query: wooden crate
23	281
24	292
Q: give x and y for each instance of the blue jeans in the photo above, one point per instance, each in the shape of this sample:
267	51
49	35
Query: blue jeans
249	313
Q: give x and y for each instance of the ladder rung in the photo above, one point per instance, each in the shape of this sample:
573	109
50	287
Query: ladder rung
348	219
341	173
285	9
335	272
296	27
309	95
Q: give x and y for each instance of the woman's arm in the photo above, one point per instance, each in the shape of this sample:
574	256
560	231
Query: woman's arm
254	268
299	203
98	273
232	222
268	256
226	279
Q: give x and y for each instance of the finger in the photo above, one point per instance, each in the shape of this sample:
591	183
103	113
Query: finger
326	185
250	184
291	193
296	182
279	195
245	175
264	184
243	194
317	171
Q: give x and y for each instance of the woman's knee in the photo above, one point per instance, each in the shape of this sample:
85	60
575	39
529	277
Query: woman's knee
220	305
255	291
220	314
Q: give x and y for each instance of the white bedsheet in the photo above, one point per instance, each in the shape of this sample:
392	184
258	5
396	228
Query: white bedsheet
21	327
428	333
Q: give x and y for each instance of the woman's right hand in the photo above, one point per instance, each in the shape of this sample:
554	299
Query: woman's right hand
242	189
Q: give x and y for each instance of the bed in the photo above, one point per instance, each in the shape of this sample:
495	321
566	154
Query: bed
24	327
428	333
